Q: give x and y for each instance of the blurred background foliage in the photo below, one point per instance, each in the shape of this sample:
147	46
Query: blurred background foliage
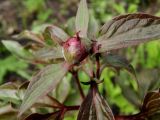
119	89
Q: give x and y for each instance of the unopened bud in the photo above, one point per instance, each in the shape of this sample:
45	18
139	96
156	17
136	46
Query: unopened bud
74	50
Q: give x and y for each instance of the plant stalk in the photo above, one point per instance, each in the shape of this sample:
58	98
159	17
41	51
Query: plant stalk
98	66
70	108
75	73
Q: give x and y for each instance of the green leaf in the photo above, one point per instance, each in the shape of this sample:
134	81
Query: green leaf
70	27
128	90
93	27
8	113
63	89
128	30
149	80
42	83
15	48
49	54
94	107
42	55
119	62
8	116
48	101
56	34
8	92
88	67
82	18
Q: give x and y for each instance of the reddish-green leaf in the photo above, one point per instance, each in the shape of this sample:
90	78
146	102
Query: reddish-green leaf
8	92
7	113
149	80
46	101
30	35
37	116
49	54
69	26
93	27
42	55
127	89
94	107
151	103
151	107
15	48
88	67
42	83
56	34
128	30
119	62
49	116
63	89
82	19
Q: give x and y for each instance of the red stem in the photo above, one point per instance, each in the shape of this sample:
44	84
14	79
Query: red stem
62	113
78	83
98	66
70	108
67	108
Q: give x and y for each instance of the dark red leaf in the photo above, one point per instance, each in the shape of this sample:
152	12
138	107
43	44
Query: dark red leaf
49	116
94	107
128	30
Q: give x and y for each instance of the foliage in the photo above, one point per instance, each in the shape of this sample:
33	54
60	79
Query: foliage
9	63
91	53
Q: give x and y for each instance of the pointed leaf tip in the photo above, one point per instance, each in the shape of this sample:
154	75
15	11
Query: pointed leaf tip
82	19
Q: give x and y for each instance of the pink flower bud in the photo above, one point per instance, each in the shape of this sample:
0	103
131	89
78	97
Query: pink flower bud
74	50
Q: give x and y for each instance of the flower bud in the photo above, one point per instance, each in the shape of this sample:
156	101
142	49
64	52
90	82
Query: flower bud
74	50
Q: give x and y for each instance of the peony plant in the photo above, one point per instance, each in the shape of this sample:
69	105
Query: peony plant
89	49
